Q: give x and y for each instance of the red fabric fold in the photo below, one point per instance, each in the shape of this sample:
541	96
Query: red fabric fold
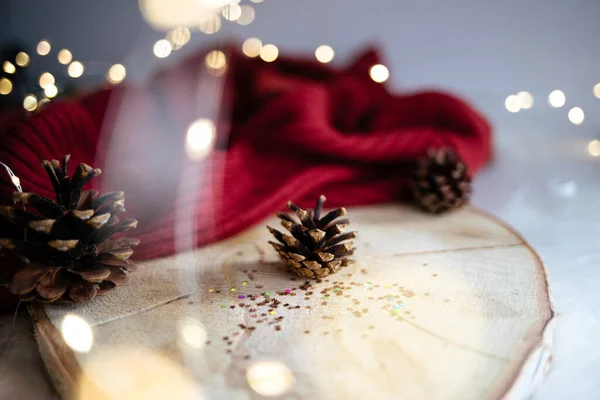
291	129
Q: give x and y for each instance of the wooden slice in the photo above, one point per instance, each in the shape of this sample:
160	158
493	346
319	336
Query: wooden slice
436	307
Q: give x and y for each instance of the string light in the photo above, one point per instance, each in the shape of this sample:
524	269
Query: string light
46	79
13	178
116	74
251	47
43	48
324	54
269	52
65	57
247	15
75	69
557	99
5	86
593	148
77	333
232	12
30	102
597	90
216	62
22	59
9	67
162	48
211	25
200	138
51	91
512	103
576	116
525	100
179	37
379	73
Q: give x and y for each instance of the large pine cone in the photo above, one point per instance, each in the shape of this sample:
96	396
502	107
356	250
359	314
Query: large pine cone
60	250
441	181
318	247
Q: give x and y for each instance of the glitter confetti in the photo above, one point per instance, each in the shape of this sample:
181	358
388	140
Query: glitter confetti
211	290
288	291
232	290
241	296
267	293
272	312
223	305
244	283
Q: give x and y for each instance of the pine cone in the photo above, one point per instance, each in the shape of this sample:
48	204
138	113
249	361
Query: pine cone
60	250
318	247
441	182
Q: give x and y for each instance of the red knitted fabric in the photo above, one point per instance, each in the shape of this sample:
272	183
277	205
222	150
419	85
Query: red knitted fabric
291	129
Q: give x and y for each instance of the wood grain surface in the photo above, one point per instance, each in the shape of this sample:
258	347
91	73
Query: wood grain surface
436	307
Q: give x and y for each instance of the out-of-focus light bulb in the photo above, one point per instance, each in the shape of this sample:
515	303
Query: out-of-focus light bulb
379	73
9	67
22	59
216	62
269	52
75	69
43	48
576	116
597	90
51	91
30	102
179	37
257	1
525	100
211	25
251	47
193	333
512	103
5	86
64	56
324	54
77	333
162	48
200	138
46	79
270	378
247	15
593	148
557	99
232	12
116	74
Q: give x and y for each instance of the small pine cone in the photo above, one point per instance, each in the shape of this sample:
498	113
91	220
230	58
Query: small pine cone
61	250
441	182
317	247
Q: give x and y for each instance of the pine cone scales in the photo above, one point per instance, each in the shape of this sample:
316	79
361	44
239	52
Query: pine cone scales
317	246
61	250
441	182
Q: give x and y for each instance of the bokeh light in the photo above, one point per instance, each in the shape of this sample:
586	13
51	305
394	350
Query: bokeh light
51	91
64	56
597	90
379	73
200	138
557	99
269	52
193	333
247	15
75	69
251	47
179	37
162	48
43	48
593	148
324	53
257	1
22	59
576	116
46	79
525	100
9	67
512	103
232	12
270	378
116	74
5	86
211	25
77	333
216	62
30	102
